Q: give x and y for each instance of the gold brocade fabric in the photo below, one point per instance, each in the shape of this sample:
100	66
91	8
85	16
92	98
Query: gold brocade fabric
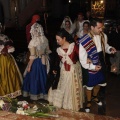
10	77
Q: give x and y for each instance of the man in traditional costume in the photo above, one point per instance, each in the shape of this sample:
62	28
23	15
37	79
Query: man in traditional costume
78	24
93	46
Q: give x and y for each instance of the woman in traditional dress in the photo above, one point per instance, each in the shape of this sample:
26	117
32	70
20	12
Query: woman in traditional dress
66	18
86	29
34	84
69	92
68	27
10	76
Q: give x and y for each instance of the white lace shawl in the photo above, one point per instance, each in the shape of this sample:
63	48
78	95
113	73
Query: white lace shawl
63	23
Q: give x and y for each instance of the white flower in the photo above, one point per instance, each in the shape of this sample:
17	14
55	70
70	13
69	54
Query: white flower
22	102
21	111
1	103
35	107
19	103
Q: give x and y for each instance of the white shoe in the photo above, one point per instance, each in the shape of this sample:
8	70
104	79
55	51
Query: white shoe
87	109
99	103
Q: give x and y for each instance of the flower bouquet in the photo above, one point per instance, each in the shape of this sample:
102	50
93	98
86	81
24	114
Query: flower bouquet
24	108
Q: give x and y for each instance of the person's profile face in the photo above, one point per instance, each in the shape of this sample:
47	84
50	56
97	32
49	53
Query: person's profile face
60	41
98	28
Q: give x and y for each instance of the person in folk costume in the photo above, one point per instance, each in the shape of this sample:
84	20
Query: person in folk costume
93	46
10	76
66	18
69	91
86	29
88	16
68	27
35	18
78	23
34	84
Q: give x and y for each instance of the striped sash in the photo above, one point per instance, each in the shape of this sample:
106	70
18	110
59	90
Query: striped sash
87	42
102	42
94	77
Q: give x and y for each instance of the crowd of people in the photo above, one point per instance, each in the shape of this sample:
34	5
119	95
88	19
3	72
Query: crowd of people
79	63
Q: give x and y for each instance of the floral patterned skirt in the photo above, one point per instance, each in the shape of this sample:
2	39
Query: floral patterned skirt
69	93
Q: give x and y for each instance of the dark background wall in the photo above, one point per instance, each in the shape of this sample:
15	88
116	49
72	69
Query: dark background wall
59	8
1	14
112	9
63	7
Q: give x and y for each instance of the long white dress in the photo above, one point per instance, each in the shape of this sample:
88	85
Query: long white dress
69	92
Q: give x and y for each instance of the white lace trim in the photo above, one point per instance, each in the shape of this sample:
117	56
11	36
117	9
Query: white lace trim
12	95
36	41
11	49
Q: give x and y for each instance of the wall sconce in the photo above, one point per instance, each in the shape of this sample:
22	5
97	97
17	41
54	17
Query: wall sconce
101	1
69	1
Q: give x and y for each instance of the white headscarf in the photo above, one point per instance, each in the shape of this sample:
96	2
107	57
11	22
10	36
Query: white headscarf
63	23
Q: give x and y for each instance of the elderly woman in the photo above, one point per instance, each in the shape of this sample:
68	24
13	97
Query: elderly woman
34	84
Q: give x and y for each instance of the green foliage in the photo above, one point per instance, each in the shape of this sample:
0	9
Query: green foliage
43	109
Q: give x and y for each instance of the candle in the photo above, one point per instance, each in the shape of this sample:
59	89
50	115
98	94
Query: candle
15	9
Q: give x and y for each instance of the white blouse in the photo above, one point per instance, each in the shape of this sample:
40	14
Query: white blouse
83	54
